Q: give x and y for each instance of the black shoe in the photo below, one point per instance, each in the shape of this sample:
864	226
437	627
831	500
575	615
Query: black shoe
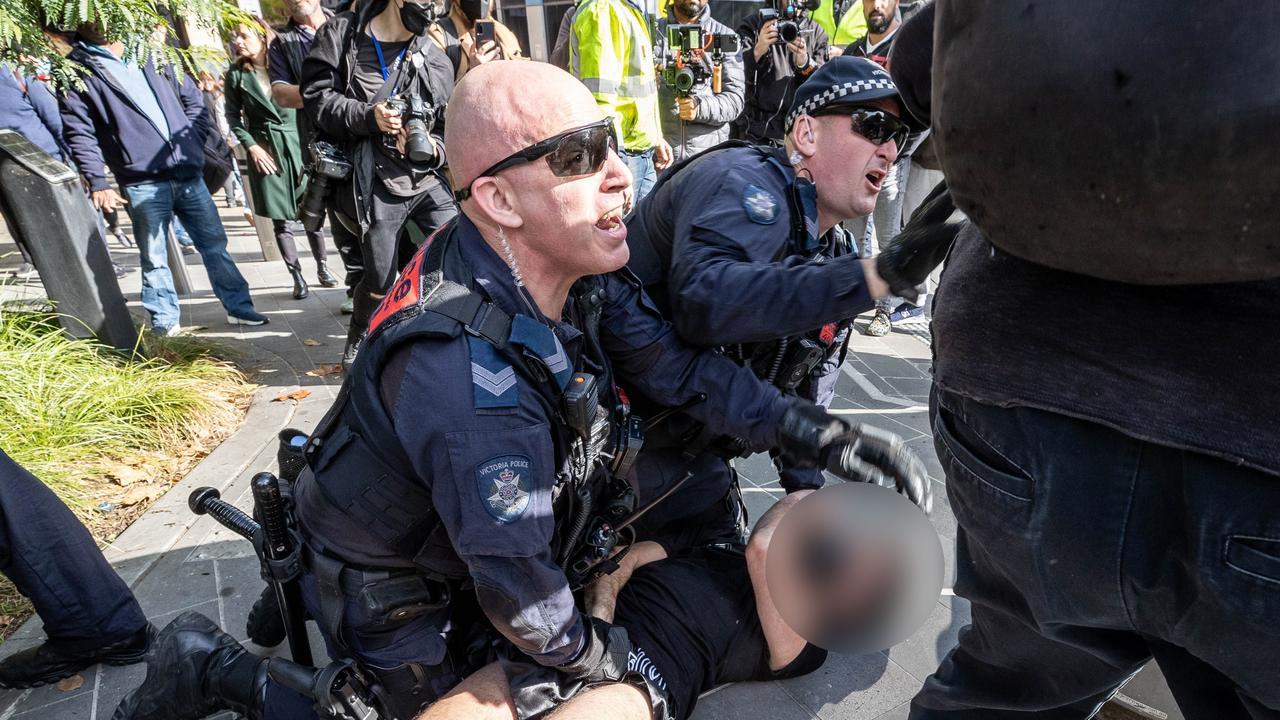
326	278
195	670
46	664
265	626
300	290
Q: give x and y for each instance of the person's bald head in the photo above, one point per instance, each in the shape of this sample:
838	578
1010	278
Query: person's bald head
505	106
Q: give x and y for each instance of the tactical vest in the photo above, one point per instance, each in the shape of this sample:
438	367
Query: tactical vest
356	460
652	249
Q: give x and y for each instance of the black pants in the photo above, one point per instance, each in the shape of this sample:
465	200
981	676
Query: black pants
288	250
1085	553
54	561
384	247
348	244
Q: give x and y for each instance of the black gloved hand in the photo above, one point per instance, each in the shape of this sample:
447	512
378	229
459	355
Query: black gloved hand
869	454
806	429
921	246
606	655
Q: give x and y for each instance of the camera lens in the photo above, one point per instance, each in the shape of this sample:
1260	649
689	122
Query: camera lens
311	209
418	144
788	31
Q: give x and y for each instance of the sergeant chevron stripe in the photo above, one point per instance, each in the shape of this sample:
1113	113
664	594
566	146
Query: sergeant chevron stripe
494	383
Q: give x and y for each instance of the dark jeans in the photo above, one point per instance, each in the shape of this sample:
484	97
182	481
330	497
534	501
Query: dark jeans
283	230
1085	553
348	244
54	561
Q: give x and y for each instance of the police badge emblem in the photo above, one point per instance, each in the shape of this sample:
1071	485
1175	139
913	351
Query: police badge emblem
760	204
504	487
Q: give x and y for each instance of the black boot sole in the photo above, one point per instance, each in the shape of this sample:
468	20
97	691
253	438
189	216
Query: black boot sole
115	658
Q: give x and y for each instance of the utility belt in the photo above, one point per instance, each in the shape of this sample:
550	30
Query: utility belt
386	597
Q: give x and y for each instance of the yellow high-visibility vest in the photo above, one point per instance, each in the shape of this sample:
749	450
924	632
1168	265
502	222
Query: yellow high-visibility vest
611	52
853	26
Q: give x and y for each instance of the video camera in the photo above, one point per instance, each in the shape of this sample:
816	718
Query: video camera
418	119
329	165
685	50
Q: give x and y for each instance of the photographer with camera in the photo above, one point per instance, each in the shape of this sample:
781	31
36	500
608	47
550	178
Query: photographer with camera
376	85
786	46
697	118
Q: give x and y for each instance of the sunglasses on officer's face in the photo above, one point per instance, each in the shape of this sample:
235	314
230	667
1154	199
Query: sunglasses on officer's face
878	126
581	151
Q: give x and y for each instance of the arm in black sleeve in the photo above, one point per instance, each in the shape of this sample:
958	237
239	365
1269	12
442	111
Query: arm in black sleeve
323	85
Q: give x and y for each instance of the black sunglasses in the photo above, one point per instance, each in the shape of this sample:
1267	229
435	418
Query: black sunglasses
877	126
581	151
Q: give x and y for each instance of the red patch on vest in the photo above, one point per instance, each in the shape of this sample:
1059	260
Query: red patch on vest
407	290
828	334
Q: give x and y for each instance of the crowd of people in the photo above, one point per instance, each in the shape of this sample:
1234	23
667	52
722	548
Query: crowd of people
556	352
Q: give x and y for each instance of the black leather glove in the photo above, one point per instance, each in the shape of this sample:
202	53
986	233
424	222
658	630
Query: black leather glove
806	429
921	246
869	454
606	655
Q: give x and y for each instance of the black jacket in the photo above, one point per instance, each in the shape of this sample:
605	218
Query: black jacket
768	99
328	94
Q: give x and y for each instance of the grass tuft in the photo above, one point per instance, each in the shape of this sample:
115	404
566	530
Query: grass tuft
99	427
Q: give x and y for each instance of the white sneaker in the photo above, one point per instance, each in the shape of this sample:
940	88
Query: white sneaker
348	307
253	321
171	331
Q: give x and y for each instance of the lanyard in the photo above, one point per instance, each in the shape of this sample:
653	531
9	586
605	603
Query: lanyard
382	64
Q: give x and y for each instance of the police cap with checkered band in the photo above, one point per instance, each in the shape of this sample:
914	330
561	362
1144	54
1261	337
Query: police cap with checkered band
845	80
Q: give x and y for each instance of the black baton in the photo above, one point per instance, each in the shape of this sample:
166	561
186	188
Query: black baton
282	559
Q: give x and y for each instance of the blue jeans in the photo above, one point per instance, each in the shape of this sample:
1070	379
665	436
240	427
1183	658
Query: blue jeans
643	174
1084	553
152	206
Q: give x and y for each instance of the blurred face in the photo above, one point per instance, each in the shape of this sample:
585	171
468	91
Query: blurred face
246	42
847	167
301	9
879	14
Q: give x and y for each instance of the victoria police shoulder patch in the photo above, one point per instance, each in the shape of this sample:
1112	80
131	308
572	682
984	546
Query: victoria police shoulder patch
760	204
503	484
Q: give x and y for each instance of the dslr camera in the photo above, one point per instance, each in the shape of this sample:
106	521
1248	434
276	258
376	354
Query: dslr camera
418	119
789	18
329	166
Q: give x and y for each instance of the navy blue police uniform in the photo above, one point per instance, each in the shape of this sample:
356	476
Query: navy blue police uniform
728	246
53	560
449	457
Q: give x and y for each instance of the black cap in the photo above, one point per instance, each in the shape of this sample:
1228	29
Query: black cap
843	80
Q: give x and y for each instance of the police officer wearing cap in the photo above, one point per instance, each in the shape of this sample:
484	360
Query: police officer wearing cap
742	249
447	471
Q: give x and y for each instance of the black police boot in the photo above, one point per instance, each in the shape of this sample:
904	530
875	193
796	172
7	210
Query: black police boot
195	670
326	278
49	663
300	290
265	626
365	304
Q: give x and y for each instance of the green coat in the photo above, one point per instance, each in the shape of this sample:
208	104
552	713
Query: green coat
256	119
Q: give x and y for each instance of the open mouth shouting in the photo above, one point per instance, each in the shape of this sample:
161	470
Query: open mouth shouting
611	222
875	178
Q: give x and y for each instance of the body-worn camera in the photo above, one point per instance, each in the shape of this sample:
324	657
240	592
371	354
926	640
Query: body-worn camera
686	48
418	119
329	166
